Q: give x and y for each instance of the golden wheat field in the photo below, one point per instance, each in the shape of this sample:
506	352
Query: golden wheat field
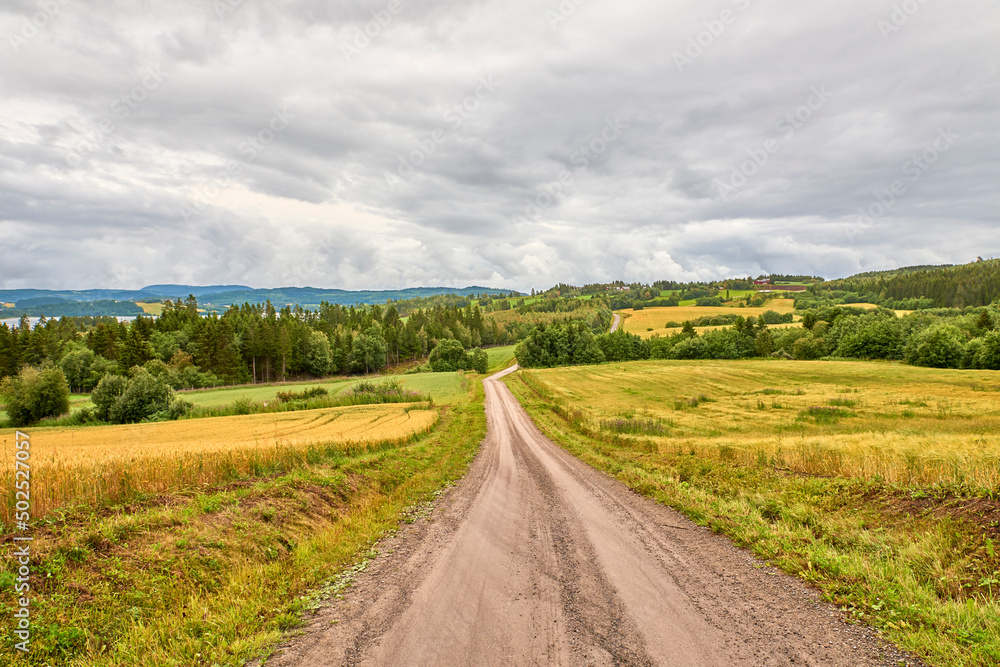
638	321
862	419
100	463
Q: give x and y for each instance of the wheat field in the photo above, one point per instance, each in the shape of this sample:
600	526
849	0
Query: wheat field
901	424
638	321
93	465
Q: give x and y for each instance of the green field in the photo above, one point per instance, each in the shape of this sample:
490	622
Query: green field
501	357
445	388
874	482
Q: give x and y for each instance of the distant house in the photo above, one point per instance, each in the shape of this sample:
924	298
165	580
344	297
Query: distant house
765	281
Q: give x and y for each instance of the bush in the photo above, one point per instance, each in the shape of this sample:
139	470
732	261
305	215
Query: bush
809	348
388	391
939	346
34	394
81	418
121	400
143	397
988	355
108	390
617	346
875	335
304	395
691	348
448	355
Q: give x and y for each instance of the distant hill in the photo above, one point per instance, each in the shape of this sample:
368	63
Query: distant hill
948	286
181	291
55	303
901	270
311	297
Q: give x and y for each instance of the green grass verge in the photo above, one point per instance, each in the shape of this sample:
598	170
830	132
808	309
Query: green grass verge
920	565
216	576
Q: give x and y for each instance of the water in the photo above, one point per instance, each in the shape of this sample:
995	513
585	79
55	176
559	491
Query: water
15	321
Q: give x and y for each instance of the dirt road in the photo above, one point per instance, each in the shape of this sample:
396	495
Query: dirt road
616	319
535	558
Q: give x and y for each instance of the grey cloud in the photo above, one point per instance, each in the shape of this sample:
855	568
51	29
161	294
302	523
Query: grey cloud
646	207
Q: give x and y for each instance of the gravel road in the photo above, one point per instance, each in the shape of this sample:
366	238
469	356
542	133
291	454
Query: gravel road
535	558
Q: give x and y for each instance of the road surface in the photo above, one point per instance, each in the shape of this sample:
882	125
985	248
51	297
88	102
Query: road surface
534	558
615	321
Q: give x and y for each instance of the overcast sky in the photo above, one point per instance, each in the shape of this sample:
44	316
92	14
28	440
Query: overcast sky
505	143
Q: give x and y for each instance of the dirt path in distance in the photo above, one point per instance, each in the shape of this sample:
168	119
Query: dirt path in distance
535	558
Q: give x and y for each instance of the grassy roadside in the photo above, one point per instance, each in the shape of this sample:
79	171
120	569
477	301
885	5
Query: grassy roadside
918	563
216	576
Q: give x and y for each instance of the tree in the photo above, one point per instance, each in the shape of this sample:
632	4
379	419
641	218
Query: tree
479	361
107	392
448	355
318	357
984	323
368	351
34	394
763	343
135	351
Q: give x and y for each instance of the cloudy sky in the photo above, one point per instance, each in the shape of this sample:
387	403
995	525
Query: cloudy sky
508	143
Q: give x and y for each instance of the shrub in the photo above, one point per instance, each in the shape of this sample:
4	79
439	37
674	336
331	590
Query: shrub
448	355
988	355
121	400
304	395
108	390
809	348
691	348
939	346
143	397
34	394
877	335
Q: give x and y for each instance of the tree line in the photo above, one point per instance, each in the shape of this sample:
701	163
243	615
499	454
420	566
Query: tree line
946	338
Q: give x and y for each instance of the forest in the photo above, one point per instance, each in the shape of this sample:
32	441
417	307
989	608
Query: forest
260	343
